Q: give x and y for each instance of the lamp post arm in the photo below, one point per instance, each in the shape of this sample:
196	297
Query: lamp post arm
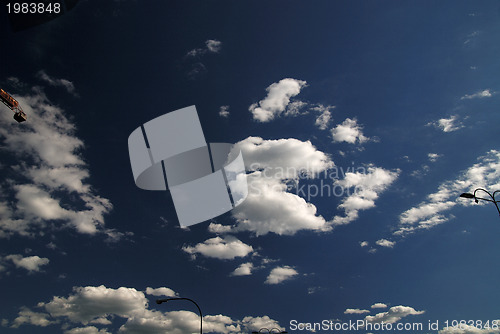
159	301
489	200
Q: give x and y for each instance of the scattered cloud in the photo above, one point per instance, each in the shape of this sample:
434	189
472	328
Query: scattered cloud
224	111
355	311
227	248
277	99
244	269
294	108
364	243
429	213
280	274
268	206
478	95
66	84
48	171
394	314
349	131
96	307
363	188
385	243
447	124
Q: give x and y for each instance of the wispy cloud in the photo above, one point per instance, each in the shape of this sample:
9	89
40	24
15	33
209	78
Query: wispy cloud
68	85
211	46
478	95
429	213
324	117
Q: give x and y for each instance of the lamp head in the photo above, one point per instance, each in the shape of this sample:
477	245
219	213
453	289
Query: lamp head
467	195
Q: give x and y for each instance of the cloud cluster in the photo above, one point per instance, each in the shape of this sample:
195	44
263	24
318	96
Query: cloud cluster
47	169
277	99
90	309
394	314
429	213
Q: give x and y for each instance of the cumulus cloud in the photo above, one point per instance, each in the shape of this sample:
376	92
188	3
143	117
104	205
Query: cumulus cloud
349	131
385	243
355	311
161	292
271	165
367	185
277	99
224	111
394	314
364	243
100	306
30	263
244	269
226	248
478	95
429	213
433	157
447	124
49	169
280	274
66	84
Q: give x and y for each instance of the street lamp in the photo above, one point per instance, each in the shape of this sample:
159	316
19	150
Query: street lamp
476	199
159	301
270	331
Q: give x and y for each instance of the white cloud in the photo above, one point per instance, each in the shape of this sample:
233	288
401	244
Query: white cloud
349	131
324	117
277	99
280	274
244	269
429	213
268	206
385	243
394	314
447	124
103	306
213	45
68	85
51	170
161	292
379	305
433	157
226	248
224	111
478	95
355	311
219	229
364	243
366	187
30	263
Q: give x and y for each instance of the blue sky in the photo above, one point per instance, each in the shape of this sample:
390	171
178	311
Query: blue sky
389	105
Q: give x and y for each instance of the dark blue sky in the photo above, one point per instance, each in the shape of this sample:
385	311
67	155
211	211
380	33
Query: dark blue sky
397	99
